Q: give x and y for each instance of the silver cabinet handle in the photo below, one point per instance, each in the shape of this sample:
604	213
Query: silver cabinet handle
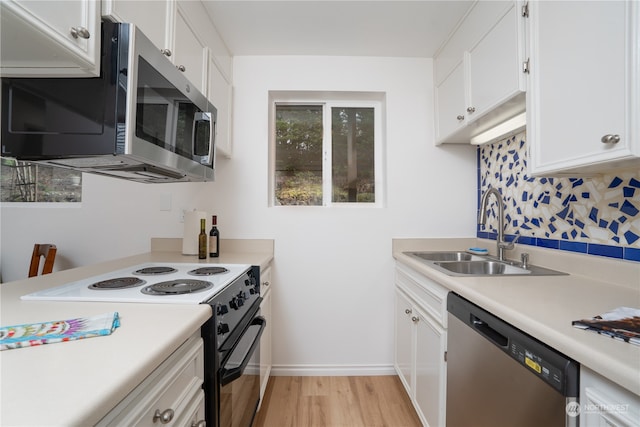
201	423
165	52
610	139
81	32
165	416
471	109
415	319
182	68
407	311
460	117
265	284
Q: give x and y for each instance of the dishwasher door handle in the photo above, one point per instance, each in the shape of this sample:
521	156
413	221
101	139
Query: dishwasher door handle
488	332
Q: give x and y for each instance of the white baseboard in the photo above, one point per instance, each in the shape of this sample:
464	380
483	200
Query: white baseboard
331	370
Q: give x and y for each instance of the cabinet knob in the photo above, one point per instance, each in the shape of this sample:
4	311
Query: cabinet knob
81	32
407	311
182	68
201	423
165	416
415	319
165	52
610	139
265	284
460	118
471	109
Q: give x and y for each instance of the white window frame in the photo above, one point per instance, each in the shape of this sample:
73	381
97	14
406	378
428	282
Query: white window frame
329	100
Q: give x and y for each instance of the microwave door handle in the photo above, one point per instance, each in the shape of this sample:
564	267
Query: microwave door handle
199	118
229	375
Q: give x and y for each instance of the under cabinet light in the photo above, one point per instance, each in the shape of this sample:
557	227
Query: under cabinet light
503	130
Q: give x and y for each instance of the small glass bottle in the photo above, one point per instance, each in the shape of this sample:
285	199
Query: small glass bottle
214	238
202	241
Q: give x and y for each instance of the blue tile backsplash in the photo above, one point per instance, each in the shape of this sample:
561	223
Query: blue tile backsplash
597	215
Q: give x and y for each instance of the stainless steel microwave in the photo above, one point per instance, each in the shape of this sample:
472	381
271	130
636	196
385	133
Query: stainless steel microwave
140	120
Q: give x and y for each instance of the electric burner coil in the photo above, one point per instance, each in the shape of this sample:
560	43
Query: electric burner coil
177	287
208	271
117	283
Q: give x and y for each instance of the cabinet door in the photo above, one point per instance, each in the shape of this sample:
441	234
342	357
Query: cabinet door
450	103
189	52
494	66
404	340
265	340
431	341
605	404
583	85
155	22
220	95
47	38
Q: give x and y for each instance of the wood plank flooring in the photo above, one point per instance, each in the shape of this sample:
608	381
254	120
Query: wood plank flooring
375	401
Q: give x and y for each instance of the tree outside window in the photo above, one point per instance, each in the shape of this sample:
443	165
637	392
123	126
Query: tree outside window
324	154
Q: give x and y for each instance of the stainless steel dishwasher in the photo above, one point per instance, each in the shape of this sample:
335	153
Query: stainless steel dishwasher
499	376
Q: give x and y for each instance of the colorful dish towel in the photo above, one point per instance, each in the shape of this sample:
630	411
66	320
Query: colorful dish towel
622	323
32	334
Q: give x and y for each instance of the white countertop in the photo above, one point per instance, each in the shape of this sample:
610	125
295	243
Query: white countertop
545	306
76	383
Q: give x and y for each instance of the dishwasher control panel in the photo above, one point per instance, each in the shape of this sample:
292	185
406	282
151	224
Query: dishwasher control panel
537	365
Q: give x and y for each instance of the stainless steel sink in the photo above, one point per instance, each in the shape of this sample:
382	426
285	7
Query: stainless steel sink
459	263
481	268
443	256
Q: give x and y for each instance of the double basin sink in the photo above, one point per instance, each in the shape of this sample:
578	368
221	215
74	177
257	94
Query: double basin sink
457	263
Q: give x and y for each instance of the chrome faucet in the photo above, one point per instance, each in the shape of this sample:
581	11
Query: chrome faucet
482	219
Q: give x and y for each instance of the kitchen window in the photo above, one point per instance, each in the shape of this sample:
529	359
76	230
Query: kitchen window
22	181
326	152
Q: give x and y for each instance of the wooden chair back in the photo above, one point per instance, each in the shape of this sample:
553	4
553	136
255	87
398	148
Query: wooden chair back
46	251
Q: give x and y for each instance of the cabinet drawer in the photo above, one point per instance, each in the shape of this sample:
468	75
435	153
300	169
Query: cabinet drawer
171	387
431	296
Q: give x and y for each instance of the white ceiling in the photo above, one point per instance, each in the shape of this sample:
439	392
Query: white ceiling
331	27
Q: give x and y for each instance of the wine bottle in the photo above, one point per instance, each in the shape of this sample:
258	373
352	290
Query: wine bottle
214	238
202	241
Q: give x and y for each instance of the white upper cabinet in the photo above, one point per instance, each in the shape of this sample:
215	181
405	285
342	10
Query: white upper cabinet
43	39
479	81
451	102
155	22
220	95
189	51
583	99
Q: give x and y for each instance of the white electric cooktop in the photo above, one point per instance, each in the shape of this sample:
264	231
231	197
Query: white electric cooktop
157	283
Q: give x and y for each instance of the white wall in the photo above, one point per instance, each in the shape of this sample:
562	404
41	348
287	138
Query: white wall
115	219
333	272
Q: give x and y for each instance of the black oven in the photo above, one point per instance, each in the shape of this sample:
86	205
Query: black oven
232	353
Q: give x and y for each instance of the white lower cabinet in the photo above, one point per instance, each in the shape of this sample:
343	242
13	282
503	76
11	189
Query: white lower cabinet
606	404
420	343
265	340
171	395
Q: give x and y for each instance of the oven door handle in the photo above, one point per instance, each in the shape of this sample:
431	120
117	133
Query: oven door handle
234	372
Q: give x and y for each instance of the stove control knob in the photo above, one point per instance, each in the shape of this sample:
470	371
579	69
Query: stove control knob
247	282
234	303
222	309
240	301
252	291
223	328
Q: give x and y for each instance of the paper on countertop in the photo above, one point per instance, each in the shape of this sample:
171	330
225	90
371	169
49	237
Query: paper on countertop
622	323
32	334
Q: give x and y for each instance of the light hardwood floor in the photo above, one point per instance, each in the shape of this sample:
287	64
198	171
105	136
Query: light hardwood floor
376	401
